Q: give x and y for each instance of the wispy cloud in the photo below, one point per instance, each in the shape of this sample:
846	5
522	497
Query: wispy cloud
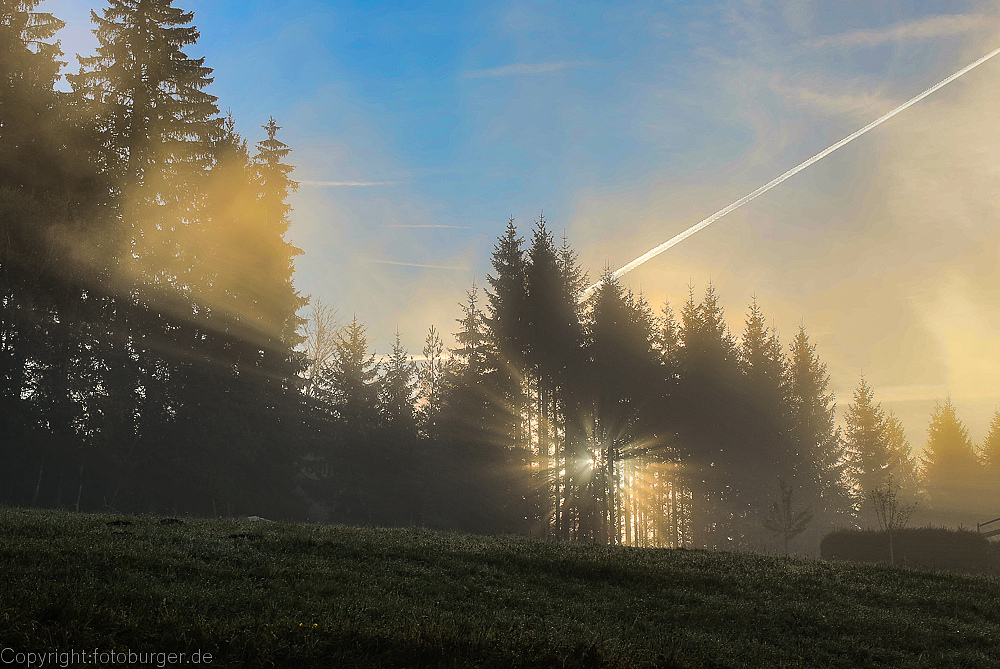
449	227
827	98
346	183
414	264
525	68
932	27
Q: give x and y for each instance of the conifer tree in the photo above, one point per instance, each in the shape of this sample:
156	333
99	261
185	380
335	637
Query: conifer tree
991	448
471	350
819	453
902	468
952	473
396	450
877	448
279	302
430	379
990	454
506	320
864	439
349	451
30	126
708	394
623	385
505	330
30	196
668	341
399	389
572	456
351	382
767	452
154	128
547	321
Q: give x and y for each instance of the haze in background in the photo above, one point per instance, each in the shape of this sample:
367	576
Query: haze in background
418	131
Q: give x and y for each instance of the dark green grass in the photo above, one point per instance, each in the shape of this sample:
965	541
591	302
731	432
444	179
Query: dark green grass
299	595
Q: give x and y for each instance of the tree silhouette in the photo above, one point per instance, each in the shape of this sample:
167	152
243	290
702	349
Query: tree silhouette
819	453
952	473
876	446
783	520
709	399
766	442
991	462
892	514
320	344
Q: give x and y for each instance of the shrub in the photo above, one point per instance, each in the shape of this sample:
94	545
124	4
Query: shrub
926	547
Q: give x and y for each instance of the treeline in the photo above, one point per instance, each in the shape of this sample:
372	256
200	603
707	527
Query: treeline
570	414
152	358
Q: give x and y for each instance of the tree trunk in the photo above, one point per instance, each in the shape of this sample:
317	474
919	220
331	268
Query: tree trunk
79	490
38	484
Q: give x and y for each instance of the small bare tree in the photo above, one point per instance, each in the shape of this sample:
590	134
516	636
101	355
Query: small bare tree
892	514
320	344
783	520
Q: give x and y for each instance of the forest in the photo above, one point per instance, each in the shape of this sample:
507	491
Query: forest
156	357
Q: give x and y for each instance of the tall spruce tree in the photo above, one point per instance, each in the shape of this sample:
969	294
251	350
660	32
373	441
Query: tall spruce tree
505	324
708	391
397	447
154	128
624	376
903	466
990	454
877	449
279	302
819	452
952	474
351	382
348	452
546	323
767	453
398	389
471	351
571	450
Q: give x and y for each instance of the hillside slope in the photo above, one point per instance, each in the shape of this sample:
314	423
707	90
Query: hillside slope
300	595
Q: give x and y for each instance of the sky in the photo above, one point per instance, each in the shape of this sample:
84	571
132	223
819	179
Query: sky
418	128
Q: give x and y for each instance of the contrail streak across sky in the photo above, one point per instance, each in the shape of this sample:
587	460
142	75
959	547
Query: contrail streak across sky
652	253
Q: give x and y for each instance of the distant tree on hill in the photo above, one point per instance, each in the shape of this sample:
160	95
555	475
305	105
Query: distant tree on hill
398	389
430	379
952	474
990	453
876	446
471	338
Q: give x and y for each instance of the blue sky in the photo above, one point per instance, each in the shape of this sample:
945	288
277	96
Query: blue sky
417	128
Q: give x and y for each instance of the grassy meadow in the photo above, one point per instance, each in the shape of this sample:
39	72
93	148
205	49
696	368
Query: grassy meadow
302	595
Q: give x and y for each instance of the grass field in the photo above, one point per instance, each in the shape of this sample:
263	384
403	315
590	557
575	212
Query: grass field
301	595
